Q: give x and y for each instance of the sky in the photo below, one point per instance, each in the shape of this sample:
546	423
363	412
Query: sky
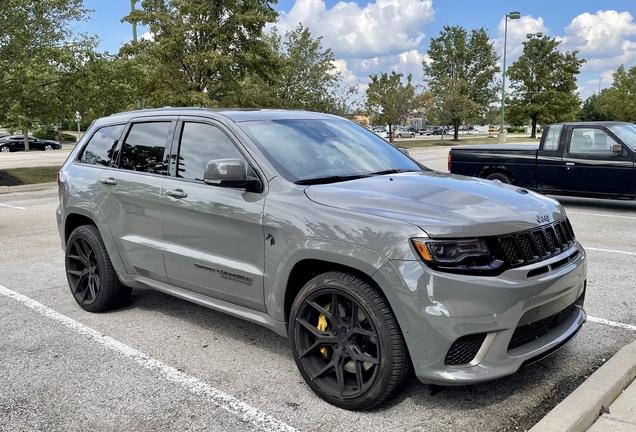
383	35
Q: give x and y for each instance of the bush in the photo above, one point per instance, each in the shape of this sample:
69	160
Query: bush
516	129
52	135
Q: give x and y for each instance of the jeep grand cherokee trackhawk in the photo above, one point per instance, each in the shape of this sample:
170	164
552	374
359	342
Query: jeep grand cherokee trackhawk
314	227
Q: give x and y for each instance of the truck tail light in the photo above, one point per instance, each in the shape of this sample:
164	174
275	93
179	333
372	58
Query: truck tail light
449	162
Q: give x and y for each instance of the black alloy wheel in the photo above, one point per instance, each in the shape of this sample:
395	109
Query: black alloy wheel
90	274
48	147
499	176
346	342
4	149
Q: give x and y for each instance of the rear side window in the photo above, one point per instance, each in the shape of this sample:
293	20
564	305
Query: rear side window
552	136
200	143
99	150
145	147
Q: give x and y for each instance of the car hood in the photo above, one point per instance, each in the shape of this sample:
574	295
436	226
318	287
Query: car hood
443	205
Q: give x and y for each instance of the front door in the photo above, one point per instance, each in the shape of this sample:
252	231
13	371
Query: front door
213	235
592	169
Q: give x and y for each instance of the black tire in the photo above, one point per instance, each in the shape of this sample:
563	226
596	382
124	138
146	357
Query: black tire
412	135
90	273
4	149
399	135
504	178
381	364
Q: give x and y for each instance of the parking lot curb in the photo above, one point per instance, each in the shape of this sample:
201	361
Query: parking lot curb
27	188
579	411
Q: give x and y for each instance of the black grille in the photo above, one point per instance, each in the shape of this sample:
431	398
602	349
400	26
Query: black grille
464	349
529	332
537	244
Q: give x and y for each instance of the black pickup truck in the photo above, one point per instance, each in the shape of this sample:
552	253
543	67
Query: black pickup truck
594	159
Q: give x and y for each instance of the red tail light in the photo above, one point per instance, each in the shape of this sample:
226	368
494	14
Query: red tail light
449	160
59	174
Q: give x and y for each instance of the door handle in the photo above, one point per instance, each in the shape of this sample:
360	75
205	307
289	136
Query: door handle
177	193
569	163
109	181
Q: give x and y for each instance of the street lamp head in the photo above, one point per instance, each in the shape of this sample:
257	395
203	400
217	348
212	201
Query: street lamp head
514	15
539	34
529	35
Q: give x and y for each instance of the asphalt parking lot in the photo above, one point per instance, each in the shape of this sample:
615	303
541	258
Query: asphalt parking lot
165	364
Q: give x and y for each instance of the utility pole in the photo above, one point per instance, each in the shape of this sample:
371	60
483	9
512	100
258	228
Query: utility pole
599	85
134	25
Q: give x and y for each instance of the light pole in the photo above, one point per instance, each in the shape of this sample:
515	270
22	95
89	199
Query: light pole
502	135
599	85
134	25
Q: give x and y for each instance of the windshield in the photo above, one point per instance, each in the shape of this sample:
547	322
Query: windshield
313	149
626	133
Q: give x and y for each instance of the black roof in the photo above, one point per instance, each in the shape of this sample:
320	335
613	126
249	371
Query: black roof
234	114
592	123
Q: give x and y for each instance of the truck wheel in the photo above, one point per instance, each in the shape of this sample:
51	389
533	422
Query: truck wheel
91	276
500	177
346	342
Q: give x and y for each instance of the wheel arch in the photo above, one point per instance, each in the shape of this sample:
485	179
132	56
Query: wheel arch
79	217
492	170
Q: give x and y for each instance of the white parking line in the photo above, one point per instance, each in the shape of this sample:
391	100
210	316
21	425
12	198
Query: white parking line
602	215
612	323
247	413
13	207
610	250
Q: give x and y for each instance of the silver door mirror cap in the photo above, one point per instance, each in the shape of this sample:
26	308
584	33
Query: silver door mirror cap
223	171
616	148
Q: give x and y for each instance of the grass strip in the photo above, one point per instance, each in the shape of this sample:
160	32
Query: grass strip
25	176
463	141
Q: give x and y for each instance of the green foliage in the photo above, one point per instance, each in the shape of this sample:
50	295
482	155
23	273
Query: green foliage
543	83
304	78
387	94
36	60
202	50
50	134
461	76
595	108
619	101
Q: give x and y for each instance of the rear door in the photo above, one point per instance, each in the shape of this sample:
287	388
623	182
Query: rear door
128	195
592	169
213	235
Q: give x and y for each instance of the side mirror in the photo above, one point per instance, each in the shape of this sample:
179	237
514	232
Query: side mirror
230	172
404	150
616	148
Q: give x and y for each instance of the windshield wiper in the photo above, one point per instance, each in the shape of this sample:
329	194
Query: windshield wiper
391	171
329	179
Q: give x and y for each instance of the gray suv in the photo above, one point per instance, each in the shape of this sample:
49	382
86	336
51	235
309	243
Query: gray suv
373	265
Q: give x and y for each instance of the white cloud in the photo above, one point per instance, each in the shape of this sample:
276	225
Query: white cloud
414	57
605	38
147	36
379	28
347	75
366	64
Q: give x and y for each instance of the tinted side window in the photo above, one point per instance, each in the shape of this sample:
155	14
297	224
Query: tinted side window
99	150
144	148
591	141
201	143
553	134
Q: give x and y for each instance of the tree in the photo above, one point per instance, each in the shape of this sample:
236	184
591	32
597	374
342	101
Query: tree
620	99
594	108
387	95
543	83
452	103
202	50
36	57
464	65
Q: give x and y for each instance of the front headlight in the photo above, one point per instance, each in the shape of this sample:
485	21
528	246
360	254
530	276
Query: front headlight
457	256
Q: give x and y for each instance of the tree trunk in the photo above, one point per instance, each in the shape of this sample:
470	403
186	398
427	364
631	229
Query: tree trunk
533	132
25	132
391	134
456	130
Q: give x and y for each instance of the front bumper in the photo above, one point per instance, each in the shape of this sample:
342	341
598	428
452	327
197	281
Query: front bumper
446	307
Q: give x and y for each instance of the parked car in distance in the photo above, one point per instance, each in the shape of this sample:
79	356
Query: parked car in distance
439	130
403	131
16	143
492	128
594	159
370	263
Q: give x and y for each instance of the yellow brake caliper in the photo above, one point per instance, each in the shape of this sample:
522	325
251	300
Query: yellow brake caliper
322	326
